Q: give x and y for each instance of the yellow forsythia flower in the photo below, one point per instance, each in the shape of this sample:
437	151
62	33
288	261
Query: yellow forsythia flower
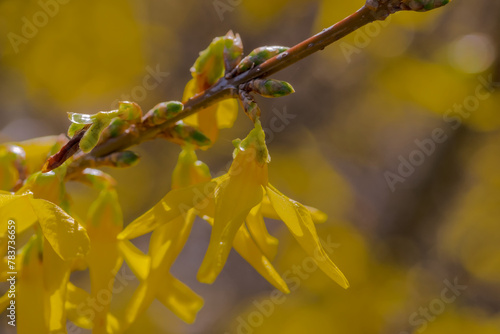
240	190
235	204
166	243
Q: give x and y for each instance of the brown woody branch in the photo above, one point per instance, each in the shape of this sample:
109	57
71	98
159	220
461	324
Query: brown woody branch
227	87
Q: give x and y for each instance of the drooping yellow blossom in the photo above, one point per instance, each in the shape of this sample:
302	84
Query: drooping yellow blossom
243	188
106	255
66	236
18	160
235	205
44	263
236	194
165	245
31	295
43	279
207	69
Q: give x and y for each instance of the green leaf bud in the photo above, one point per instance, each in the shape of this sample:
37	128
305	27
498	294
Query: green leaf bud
129	111
270	87
258	56
163	112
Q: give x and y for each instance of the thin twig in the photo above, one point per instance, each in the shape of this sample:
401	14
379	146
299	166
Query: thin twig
228	87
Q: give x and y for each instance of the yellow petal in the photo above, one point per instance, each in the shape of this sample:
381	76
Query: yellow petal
189	91
113	324
207	120
248	249
189	170
49	186
137	261
102	278
168	241
176	202
257	228
76	300
317	216
104	261
298	220
245	245
30	295
9	174
165	244
39	149
18	209
268	211
105	215
55	278
66	236
80	309
227	113
235	198
180	299
143	297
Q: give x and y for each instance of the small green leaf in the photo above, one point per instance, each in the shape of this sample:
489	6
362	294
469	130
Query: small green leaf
91	137
258	56
210	63
80	118
74	128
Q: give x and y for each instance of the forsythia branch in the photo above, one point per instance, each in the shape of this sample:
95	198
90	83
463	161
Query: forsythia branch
229	86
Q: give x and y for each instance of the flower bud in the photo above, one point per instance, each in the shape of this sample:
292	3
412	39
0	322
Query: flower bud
129	111
233	50
189	170
424	5
120	159
115	128
163	112
270	87
258	56
182	134
249	105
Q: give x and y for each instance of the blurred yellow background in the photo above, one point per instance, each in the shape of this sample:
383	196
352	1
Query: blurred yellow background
393	132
